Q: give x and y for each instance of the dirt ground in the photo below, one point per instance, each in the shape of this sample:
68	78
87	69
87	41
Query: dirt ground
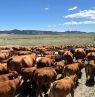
84	90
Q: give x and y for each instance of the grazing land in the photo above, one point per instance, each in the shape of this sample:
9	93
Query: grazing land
82	90
39	40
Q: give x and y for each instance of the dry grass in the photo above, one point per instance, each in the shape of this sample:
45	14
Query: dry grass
39	40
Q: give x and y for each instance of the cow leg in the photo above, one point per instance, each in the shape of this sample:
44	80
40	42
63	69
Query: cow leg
92	76
38	92
72	93
38	89
86	75
50	94
48	85
86	72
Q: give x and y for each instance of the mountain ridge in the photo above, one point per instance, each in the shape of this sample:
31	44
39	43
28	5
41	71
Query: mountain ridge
35	32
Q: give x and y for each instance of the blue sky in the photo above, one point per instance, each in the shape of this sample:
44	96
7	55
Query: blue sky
55	15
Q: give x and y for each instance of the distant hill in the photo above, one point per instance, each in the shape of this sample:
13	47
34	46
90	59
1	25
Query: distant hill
35	32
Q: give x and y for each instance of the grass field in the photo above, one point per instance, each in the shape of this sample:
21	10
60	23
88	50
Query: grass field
39	40
82	89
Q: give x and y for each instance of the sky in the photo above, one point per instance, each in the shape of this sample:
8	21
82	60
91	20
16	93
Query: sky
52	15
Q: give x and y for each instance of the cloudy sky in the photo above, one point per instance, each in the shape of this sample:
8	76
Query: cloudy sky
55	15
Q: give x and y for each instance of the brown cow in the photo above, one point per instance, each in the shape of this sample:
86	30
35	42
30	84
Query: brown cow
51	56
80	53
28	61
27	73
21	48
59	66
8	88
4	57
61	52
71	69
80	64
43	77
90	49
68	56
62	87
17	62
8	76
22	52
44	62
90	69
91	56
3	68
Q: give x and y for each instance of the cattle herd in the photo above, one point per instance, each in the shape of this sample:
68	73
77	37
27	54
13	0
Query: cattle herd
48	70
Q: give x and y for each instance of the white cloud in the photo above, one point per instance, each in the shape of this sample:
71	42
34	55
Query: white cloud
79	23
46	8
73	8
83	14
72	23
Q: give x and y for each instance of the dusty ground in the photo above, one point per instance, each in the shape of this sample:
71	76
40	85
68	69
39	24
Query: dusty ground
82	89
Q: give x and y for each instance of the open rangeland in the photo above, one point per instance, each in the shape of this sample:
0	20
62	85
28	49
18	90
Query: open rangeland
39	40
32	64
